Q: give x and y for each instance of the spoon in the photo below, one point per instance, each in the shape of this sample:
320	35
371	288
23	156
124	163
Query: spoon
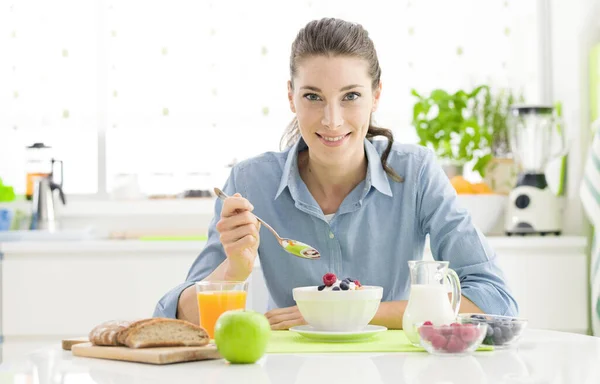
295	247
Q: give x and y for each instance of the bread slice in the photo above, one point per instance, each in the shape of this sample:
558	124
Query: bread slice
163	332
106	333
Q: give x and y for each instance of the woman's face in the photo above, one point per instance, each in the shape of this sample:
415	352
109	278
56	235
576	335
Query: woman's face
333	100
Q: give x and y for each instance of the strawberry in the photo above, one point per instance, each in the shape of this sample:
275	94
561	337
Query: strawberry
329	279
357	283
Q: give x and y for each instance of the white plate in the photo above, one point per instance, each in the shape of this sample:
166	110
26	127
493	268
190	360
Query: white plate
338	337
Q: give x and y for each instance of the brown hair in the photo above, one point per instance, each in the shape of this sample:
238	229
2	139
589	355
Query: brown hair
335	37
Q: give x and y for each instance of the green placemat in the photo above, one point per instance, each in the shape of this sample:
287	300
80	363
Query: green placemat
388	341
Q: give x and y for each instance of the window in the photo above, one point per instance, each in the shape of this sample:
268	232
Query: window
174	91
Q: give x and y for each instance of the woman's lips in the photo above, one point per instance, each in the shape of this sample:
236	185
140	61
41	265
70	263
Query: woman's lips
334	141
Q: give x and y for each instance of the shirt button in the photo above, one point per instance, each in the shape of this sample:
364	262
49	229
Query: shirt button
331	236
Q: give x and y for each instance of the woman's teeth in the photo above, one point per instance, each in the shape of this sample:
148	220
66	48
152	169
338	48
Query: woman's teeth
334	138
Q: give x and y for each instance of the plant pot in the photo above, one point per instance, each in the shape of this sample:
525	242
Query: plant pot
501	174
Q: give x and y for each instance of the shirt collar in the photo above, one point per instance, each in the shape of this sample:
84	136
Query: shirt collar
376	176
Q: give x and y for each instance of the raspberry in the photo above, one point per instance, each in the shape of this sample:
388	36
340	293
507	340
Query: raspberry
357	283
428	323
438	341
446	330
426	331
455	345
455	329
329	279
468	333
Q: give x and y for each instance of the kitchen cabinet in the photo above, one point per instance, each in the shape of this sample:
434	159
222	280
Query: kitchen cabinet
66	288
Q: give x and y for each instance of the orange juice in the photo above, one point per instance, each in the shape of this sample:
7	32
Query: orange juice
212	304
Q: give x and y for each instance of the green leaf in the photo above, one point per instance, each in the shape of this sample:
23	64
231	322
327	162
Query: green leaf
481	164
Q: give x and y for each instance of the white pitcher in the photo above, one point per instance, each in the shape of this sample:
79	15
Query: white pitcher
428	299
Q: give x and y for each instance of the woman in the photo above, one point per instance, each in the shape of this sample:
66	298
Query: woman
366	205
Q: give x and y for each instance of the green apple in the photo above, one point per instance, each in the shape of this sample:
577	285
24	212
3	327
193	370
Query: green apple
242	336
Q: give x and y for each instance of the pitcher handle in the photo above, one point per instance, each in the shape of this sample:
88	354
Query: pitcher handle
456	293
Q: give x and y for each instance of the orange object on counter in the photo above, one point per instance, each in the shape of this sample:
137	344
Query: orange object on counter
464	187
212	304
481	188
461	185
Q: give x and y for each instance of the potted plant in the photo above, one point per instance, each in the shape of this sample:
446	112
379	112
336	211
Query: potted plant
466	126
451	125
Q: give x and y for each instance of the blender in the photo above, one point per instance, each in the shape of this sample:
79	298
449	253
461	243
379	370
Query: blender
533	208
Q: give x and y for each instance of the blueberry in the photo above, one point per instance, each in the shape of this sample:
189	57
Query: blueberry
321	287
498	337
507	334
336	289
478	317
489	332
349	280
344	286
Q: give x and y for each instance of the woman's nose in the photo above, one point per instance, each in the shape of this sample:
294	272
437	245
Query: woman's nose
332	117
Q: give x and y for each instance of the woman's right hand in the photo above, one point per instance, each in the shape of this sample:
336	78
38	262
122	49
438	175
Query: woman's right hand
239	232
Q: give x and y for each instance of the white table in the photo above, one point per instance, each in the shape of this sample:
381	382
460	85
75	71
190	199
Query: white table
542	357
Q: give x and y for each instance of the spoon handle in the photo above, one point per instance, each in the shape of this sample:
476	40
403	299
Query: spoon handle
221	195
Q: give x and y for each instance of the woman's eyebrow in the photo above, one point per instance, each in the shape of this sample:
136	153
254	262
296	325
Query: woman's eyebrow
347	87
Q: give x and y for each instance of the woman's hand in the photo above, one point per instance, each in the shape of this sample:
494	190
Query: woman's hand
285	318
239	235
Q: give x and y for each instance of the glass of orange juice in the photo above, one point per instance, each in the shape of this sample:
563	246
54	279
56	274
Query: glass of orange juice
216	297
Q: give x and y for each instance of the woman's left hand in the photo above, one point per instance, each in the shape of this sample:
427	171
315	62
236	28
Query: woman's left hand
284	318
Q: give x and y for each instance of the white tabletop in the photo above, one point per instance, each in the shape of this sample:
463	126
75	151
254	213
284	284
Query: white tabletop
542	357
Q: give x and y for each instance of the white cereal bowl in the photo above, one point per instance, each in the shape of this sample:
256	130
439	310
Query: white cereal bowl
338	311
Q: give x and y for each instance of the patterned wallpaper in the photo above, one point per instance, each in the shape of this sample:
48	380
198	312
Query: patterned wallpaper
182	88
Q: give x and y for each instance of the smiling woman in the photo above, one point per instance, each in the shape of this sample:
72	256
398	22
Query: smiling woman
334	187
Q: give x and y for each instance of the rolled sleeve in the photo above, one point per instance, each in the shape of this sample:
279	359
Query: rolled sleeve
167	305
454	238
207	261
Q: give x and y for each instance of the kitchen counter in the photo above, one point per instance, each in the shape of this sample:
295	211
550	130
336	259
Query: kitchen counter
542	357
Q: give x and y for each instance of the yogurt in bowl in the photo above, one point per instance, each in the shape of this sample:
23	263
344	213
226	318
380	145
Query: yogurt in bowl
338	305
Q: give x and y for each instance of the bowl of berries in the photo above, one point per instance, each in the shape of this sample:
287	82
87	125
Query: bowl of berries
458	338
502	331
338	305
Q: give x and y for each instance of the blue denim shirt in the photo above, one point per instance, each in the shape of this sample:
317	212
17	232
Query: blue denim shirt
378	227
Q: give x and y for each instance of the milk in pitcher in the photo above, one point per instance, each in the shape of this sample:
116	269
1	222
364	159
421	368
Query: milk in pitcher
427	302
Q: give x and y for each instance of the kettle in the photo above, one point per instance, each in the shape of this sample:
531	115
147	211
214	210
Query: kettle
43	215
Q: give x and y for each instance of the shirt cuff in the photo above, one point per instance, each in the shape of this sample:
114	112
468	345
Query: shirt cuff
167	306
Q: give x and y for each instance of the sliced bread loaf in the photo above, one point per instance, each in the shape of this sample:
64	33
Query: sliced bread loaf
106	333
163	332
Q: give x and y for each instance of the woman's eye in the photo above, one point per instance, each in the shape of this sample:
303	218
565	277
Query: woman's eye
352	96
312	97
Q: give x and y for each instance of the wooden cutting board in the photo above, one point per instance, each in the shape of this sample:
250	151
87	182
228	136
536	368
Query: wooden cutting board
166	355
68	343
